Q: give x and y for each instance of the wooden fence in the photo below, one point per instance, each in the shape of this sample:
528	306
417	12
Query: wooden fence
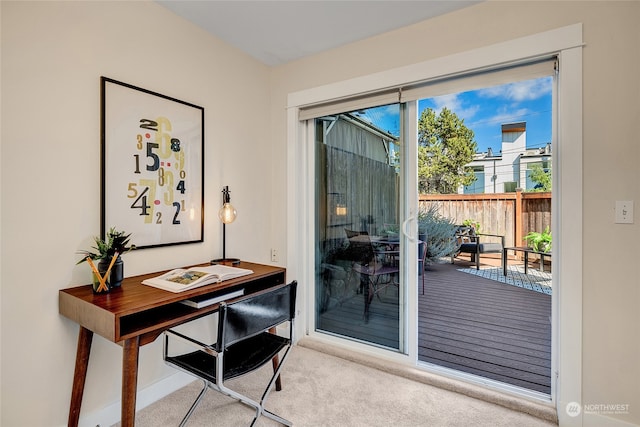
512	215
362	201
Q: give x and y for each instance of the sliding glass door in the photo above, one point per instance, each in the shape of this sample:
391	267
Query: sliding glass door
359	294
371	167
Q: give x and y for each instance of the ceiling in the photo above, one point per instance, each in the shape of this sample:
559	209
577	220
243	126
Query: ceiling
277	32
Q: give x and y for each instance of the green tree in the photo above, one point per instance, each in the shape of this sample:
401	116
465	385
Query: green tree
541	178
445	147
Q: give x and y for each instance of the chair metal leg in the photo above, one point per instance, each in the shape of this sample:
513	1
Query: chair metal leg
274	417
264	411
195	403
258	406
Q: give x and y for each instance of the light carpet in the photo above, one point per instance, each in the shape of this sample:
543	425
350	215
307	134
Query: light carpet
534	280
324	390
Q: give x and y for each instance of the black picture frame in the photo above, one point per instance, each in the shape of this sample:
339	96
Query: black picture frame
152	166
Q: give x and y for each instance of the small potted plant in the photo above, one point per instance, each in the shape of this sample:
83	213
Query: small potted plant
540	242
473	224
107	252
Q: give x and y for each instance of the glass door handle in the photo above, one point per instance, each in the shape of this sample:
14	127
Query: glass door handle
405	224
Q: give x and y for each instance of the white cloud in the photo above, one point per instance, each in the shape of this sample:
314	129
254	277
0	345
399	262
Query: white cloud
454	103
509	115
504	114
520	91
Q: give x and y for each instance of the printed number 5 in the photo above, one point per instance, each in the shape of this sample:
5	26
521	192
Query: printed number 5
154	156
133	190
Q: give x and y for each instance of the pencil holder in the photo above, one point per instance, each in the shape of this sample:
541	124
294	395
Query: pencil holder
117	271
97	289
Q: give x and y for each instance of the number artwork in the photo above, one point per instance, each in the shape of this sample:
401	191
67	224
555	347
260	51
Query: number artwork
153	166
165	158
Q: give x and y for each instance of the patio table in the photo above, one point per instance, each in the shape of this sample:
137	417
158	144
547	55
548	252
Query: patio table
526	250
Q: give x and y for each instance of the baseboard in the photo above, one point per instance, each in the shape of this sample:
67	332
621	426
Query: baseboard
110	414
599	420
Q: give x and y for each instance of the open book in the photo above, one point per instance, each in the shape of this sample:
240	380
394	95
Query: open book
180	279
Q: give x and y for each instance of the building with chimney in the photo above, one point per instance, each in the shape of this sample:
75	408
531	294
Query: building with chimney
509	169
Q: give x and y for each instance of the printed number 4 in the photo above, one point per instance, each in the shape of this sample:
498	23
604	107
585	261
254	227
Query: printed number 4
141	203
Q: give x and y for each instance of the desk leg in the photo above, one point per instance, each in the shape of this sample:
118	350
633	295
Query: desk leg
129	380
85	336
274	362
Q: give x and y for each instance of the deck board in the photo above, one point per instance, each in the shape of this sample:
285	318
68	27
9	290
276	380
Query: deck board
486	328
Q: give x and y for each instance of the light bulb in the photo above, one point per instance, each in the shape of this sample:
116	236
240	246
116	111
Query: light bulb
227	213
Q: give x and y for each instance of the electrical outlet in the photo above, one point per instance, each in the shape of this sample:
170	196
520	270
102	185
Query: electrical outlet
274	255
624	212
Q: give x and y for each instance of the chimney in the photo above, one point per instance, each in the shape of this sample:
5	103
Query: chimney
514	127
489	152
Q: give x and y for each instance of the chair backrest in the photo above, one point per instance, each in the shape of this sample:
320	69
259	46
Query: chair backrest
360	249
255	314
465	230
422	255
353	233
466	234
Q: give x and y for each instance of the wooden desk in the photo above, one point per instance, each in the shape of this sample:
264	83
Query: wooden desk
136	314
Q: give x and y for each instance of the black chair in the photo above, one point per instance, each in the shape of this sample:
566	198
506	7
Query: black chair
475	244
243	345
422	260
377	266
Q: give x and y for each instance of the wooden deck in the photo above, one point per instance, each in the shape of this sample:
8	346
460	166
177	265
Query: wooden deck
347	319
468	323
486	328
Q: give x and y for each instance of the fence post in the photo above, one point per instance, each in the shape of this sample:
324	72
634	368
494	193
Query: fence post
517	239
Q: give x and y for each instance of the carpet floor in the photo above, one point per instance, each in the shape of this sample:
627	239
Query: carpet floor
324	390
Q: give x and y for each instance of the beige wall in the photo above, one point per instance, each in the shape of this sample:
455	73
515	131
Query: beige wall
53	54
611	156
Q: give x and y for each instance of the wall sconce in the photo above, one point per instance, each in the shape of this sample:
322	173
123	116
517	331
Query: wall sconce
227	215
340	205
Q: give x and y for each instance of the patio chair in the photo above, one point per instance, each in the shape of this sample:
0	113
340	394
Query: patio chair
244	344
377	267
476	244
422	259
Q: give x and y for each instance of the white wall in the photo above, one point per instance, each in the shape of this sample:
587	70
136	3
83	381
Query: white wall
53	54
611	155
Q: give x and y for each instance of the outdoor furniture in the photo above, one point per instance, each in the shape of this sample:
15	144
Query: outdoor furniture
526	250
476	244
376	265
422	258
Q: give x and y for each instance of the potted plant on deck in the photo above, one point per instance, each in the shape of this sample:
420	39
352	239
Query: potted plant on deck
438	232
109	271
540	242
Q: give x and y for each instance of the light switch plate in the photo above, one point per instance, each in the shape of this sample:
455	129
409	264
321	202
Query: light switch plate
624	211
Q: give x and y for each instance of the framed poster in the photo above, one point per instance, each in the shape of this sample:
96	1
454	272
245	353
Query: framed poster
152	150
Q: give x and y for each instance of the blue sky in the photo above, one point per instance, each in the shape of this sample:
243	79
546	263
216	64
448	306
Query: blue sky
485	110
